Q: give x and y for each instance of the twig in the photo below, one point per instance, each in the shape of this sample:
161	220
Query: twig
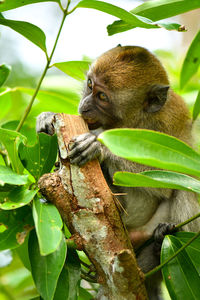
27	110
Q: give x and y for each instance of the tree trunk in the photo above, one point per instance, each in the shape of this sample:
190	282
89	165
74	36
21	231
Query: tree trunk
88	207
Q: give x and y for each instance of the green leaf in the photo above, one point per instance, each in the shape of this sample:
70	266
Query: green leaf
69	280
14	227
7	176
181	270
130	18
5	101
28	30
11	4
28	131
52	101
193	250
84	294
22	252
152	148
196	108
75	69
157	179
191	62
155	10
4	72
40	158
11	140
162	9
48	224
118	12
46	269
18	197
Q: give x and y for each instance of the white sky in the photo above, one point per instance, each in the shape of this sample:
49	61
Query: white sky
84	33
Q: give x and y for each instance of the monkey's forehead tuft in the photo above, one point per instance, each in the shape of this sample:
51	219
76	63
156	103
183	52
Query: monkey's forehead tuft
128	66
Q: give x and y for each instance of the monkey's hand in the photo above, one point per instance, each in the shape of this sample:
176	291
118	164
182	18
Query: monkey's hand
159	233
44	123
84	148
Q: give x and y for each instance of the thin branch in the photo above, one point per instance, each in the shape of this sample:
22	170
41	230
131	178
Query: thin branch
27	110
187	221
156	269
5	157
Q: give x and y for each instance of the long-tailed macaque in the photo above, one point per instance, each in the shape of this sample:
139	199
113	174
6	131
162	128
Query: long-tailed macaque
127	87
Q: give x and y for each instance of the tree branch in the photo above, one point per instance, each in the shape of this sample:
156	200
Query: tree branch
88	208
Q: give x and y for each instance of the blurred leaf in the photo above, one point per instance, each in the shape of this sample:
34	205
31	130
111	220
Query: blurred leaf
152	148
75	69
26	130
11	140
10	4
7	176
4	72
196	108
5	258
192	61
17	225
48	224
155	10
69	280
157	179
46	269
52	101
18	197
84	294
28	30
5	101
182	270
40	158
22	252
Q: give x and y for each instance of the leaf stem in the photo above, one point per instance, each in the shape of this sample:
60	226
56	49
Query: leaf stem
5	157
27	110
187	221
156	269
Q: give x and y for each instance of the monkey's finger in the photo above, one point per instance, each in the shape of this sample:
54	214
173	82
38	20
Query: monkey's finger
80	138
81	146
90	153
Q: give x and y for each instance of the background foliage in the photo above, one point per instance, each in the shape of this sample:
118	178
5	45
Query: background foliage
35	260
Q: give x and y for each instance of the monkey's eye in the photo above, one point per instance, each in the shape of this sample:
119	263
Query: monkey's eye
89	83
102	96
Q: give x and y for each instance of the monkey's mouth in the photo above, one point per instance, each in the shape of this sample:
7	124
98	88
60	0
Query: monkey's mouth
92	123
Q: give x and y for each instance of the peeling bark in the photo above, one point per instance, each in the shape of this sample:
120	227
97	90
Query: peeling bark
87	206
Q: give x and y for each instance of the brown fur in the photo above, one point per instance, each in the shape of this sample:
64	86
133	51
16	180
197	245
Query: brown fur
137	95
128	75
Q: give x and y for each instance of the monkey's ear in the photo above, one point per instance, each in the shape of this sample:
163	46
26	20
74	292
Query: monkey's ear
156	98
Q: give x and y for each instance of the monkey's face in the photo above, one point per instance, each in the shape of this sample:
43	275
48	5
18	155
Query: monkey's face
96	105
124	86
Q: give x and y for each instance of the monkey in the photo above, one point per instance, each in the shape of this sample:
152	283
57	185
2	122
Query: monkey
127	87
